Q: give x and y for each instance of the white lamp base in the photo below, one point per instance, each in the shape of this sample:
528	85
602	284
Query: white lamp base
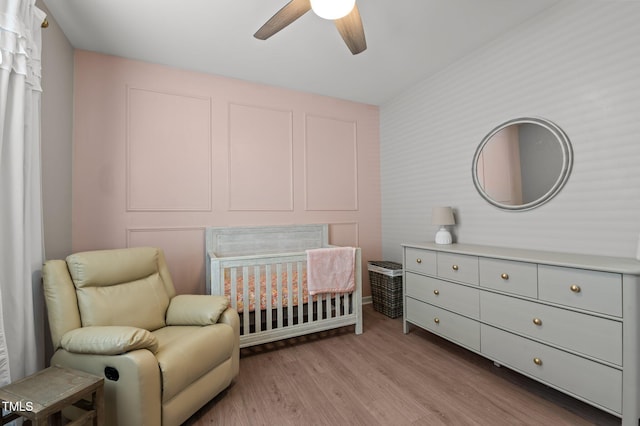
443	236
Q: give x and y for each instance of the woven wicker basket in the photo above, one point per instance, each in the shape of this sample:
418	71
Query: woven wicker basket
386	287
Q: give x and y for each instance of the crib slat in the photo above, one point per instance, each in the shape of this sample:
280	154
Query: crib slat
269	292
320	306
245	300
300	299
327	306
290	293
258	301
310	309
279	296
234	290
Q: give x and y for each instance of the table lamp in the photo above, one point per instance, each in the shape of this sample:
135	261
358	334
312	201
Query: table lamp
443	216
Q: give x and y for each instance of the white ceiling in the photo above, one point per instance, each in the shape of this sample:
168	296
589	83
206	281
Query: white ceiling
408	40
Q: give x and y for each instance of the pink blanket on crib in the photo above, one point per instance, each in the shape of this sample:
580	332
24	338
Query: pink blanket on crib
331	270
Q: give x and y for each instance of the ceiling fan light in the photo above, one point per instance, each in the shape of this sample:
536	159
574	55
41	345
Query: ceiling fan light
332	9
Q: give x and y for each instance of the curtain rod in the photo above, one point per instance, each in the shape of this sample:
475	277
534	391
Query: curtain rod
45	23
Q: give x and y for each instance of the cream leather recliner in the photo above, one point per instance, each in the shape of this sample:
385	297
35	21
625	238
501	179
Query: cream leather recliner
115	313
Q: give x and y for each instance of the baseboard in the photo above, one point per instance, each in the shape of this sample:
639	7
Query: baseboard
366	300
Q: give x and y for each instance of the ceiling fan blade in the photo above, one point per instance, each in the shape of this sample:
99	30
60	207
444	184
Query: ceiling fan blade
352	31
285	16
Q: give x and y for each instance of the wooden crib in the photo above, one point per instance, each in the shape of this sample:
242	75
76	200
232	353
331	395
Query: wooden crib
263	272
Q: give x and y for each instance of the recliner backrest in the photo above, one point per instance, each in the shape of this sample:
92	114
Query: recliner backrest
121	287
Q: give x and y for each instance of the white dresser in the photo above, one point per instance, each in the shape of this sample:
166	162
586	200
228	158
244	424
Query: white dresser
569	321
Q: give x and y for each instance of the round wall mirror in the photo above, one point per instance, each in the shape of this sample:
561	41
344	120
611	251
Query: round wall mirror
522	163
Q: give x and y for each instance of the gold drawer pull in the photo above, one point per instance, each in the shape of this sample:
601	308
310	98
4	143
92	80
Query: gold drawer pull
436	292
537	321
537	361
455	267
418	260
504	276
436	320
575	288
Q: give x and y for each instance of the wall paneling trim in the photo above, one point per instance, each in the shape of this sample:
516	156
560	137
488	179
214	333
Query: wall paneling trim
260	158
161	153
168	144
331	164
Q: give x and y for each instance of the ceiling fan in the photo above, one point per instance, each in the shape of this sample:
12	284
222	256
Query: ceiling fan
343	12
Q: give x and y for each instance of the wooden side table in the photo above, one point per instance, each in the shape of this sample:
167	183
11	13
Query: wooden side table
43	395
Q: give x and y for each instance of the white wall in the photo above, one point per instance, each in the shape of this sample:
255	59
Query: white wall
576	64
56	127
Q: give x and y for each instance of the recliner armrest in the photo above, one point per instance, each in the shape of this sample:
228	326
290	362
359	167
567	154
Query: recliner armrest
231	318
195	309
132	400
108	340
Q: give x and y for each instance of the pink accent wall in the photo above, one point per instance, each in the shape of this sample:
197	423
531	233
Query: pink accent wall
161	153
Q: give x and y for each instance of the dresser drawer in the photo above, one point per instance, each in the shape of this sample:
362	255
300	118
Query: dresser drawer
592	336
458	267
456	328
590	380
418	260
454	297
580	288
509	276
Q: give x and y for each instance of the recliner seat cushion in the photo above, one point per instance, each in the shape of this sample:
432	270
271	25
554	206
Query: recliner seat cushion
108	340
185	353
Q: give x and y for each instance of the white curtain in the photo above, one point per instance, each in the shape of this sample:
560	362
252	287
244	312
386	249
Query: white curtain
5	376
21	237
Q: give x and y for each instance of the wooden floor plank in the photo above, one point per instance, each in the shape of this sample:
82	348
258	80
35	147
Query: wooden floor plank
384	377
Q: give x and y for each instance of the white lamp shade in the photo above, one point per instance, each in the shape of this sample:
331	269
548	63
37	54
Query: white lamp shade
332	9
442	216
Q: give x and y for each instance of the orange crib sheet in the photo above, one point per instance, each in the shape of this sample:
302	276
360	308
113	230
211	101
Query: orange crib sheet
273	294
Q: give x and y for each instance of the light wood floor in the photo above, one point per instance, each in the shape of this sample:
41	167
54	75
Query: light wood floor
384	377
